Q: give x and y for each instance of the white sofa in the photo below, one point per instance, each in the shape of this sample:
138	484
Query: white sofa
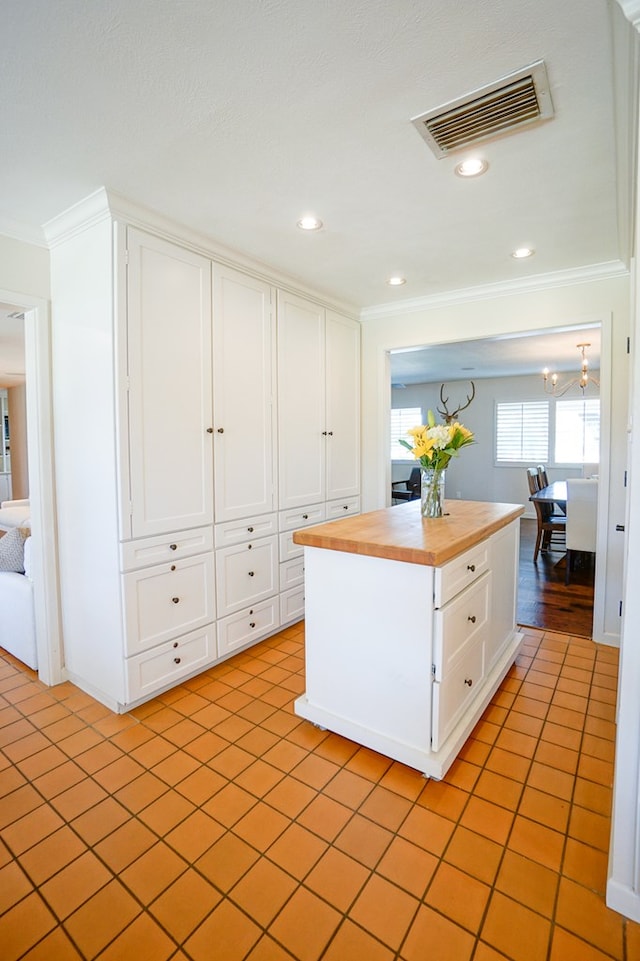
15	514
17	619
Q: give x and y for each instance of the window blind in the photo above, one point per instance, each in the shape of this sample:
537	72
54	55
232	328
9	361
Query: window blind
402	418
522	432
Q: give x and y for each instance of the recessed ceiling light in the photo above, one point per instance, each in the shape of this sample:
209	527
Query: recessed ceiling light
396	281
309	222
521	252
472	167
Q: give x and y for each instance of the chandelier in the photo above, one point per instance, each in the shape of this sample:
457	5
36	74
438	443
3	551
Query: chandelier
552	386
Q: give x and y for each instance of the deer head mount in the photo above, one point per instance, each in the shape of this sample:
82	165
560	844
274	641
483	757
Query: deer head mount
447	417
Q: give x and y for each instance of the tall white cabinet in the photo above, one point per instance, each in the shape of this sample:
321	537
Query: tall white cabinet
169	380
175	542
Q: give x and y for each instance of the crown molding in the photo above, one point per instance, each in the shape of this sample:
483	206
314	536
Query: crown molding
562	278
105	204
631	10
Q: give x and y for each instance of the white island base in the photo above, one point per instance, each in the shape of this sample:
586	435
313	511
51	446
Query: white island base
403	657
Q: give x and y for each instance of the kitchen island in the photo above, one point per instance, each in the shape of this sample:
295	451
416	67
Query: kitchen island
410	625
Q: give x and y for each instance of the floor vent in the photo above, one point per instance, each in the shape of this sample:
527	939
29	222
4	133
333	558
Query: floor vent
521	99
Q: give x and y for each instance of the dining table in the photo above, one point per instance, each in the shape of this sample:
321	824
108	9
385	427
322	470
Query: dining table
554	493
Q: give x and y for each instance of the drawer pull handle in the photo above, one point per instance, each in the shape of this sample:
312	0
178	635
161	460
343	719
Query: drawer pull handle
472	618
471	567
221	430
252	573
176	660
173	547
468	681
305	517
176	600
209	430
252	623
345	507
173	567
250	529
175	643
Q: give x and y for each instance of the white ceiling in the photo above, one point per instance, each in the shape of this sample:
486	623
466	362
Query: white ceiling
498	357
235	117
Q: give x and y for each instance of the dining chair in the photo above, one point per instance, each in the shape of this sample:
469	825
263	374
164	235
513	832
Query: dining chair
542	474
582	512
409	489
551	527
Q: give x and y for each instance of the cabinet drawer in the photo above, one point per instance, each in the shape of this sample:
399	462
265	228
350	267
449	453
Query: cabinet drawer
165	547
292	605
289	550
460	624
235	532
452	695
246	573
343	508
301	517
164	601
168	663
292	573
453	577
248	626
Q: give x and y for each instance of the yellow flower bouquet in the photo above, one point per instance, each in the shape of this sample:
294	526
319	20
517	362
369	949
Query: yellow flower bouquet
433	447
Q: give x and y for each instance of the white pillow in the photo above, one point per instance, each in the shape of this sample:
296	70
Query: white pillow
12	550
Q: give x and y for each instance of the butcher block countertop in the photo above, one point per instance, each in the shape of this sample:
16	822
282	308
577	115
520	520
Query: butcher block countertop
400	533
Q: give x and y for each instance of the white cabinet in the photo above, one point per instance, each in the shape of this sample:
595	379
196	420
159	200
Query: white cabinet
318	403
244	436
342	340
170	386
403	657
167	366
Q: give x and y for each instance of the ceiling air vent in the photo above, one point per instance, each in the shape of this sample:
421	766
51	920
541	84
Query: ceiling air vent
518	100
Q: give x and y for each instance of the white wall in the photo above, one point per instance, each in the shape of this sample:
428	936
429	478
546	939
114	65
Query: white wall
24	268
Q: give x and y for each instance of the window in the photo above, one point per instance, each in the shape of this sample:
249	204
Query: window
577	431
522	432
402	418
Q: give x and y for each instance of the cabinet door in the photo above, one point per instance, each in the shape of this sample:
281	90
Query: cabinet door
169	357
504	548
243	384
342	406
301	409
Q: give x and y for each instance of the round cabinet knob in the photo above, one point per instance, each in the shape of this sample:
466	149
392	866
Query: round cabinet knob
250	529
472	618
252	623
173	567
252	573
471	567
173	547
305	517
330	433
345	507
209	430
468	681
176	600
176	660
221	430
324	433
175	643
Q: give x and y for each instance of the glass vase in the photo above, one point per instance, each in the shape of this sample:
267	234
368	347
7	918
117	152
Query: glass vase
432	491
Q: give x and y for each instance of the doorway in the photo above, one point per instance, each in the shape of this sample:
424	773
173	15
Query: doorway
40	452
527	354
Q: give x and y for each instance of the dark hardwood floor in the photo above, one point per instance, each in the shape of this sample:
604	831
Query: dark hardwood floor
544	600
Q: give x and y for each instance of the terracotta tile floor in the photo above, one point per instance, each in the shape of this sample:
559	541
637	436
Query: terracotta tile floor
212	824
